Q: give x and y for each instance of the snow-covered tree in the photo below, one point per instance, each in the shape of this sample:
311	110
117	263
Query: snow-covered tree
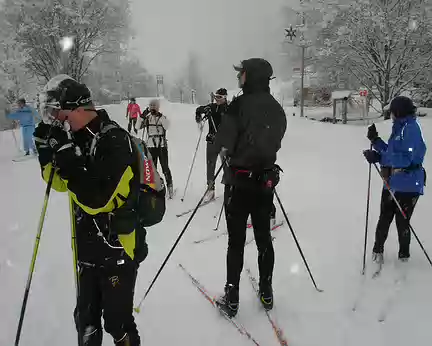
385	44
38	26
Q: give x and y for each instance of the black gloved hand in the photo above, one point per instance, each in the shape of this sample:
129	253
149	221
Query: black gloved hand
210	138
66	158
145	112
59	139
372	156
45	152
372	133
198	118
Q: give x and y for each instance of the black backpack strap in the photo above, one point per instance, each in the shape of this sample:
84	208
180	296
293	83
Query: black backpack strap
97	137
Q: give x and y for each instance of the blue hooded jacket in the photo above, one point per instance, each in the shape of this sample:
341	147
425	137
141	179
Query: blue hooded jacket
404	153
26	116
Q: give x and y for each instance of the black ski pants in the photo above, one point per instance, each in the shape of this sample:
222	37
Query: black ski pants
131	124
239	203
106	290
211	157
161	153
389	209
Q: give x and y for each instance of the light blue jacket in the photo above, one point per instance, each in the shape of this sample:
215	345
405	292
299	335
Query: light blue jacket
27	116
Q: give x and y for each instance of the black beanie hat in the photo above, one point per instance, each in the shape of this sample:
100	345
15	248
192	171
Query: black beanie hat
70	94
222	92
402	106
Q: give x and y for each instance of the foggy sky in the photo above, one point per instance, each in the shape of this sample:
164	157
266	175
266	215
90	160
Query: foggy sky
221	32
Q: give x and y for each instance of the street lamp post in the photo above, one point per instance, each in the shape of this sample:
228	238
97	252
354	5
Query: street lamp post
291	34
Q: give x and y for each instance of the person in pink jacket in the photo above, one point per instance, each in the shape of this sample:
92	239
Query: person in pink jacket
133	111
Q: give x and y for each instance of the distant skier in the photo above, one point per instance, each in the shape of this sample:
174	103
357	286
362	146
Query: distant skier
103	181
155	124
212	112
250	136
401	162
132	113
27	117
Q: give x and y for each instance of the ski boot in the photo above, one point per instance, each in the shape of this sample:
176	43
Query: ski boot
378	261
403	257
378	258
266	296
210	194
229	302
170	192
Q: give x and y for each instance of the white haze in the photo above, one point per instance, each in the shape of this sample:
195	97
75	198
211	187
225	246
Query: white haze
221	32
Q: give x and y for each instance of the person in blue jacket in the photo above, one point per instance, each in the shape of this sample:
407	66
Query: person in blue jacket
26	117
401	161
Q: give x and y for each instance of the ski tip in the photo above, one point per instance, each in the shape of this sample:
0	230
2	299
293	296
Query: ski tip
320	290
137	310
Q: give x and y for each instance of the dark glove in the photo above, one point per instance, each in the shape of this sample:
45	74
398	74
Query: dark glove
45	152
372	133
198	118
42	131
145	112
65	155
372	156
59	139
210	138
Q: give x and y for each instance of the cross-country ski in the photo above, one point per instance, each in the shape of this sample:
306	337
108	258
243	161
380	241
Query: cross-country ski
240	328
203	204
277	330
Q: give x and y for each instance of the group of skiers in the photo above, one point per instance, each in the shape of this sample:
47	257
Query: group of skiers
94	160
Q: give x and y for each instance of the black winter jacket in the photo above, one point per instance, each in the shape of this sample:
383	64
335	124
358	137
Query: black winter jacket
213	113
253	128
103	189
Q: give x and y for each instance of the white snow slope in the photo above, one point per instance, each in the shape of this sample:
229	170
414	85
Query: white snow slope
324	192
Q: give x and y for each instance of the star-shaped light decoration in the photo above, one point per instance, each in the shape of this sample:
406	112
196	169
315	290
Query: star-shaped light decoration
291	33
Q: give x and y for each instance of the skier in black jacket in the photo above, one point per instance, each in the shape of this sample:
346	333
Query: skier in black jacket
249	137
102	178
213	112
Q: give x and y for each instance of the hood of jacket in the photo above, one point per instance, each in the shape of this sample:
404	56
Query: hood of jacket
258	75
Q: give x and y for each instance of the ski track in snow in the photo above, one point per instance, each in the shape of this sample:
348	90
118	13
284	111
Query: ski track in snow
323	191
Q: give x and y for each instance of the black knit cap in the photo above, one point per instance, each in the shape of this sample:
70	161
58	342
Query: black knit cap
222	92
70	94
402	106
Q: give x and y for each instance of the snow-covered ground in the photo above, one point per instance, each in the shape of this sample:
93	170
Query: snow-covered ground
323	190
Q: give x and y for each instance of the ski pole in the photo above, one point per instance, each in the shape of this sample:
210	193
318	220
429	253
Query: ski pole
193	162
35	251
403	214
220	216
297	243
367	218
138	308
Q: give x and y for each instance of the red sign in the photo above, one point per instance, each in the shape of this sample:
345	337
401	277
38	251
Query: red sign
363	93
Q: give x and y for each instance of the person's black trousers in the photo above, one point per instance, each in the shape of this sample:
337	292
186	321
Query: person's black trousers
389	209
239	203
131	124
211	158
106	290
161	154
